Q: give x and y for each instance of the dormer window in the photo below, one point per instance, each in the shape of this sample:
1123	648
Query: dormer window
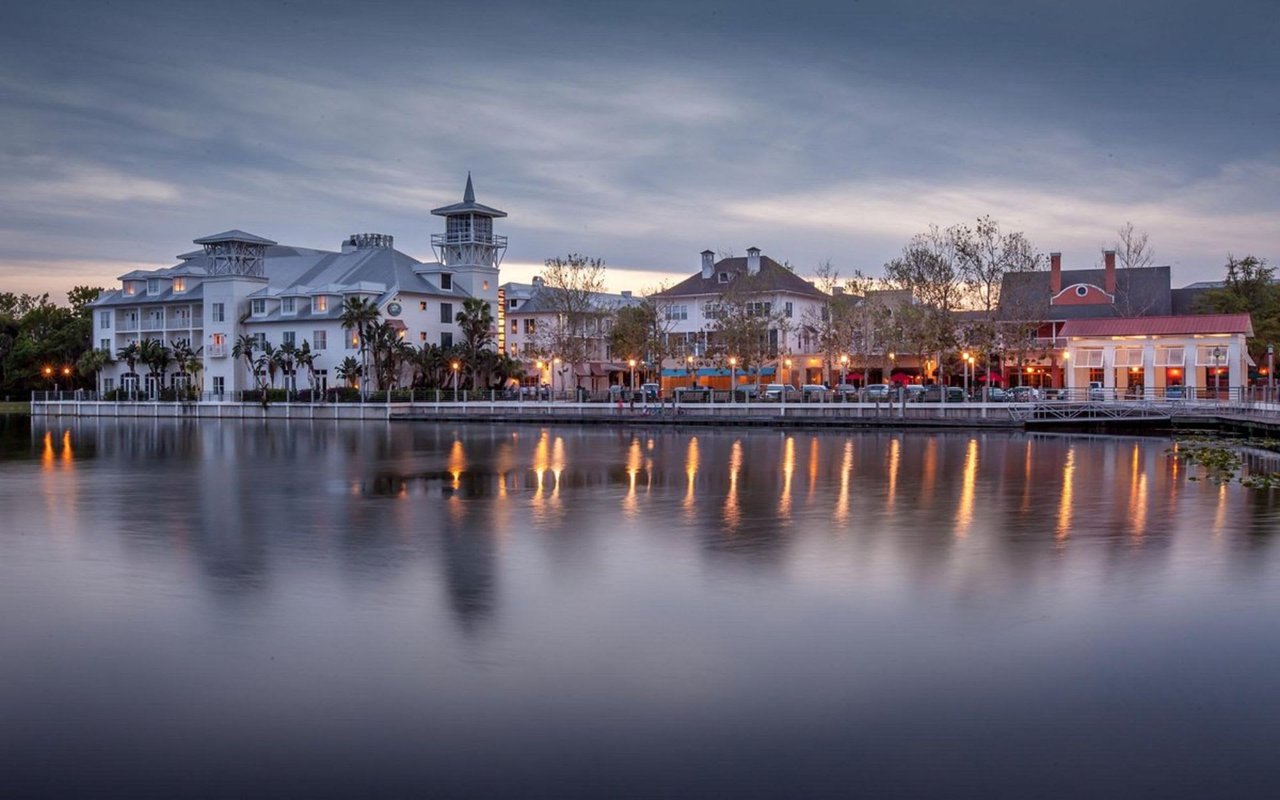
289	305
724	277
179	285
446	281
321	303
130	288
153	286
259	307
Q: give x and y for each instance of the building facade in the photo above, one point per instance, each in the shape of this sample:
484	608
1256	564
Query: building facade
240	284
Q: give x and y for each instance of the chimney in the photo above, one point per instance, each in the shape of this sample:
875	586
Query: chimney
626	293
708	264
538	282
349	244
1055	273
837	291
753	260
1110	277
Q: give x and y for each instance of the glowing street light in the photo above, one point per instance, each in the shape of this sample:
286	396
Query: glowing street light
733	378
632	364
455	366
788	362
1217	372
844	368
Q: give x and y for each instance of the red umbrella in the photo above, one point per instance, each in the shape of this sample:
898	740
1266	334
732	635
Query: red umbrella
900	377
853	376
993	376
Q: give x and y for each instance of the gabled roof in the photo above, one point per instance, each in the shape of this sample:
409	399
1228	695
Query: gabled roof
1140	291
773	277
468	205
234	235
542	301
1160	326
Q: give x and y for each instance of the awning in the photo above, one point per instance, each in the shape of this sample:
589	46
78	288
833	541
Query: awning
715	372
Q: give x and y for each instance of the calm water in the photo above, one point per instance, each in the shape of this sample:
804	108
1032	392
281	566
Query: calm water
319	610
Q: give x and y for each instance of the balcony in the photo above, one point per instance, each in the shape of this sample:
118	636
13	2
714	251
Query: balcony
126	325
153	324
468	237
217	351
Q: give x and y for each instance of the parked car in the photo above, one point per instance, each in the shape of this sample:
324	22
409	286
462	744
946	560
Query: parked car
1174	393
1097	391
651	391
1024	394
912	392
933	394
779	392
815	393
746	392
876	393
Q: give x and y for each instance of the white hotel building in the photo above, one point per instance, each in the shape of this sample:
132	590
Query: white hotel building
239	283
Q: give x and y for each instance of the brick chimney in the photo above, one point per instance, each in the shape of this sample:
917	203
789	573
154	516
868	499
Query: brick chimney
753	260
708	264
1109	257
1055	273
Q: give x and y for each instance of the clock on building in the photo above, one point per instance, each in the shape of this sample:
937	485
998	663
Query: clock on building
393	310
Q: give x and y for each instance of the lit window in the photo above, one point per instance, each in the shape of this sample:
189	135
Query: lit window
321	303
179	284
422	305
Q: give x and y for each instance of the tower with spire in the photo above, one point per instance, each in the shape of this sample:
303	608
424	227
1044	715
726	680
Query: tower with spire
469	251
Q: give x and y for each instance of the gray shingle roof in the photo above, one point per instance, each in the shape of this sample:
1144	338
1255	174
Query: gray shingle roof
772	277
233	235
1139	292
468	205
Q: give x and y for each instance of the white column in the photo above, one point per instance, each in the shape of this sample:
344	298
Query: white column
1069	368
1190	373
1149	370
1109	367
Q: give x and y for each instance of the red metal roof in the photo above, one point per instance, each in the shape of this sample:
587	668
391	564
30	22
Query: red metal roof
1187	325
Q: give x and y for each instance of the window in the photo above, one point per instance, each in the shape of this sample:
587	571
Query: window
446	313
179	285
218	312
289	337
724	277
320	303
1205	356
319	340
515	326
530	325
108	384
104	319
153	286
289	305
446	339
759	309
259	307
219	340
104	344
486	285
1128	357
1089	358
219	384
422	336
353	340
711	310
1170	356
788	310
512	303
446	281
262	340
674	313
422	305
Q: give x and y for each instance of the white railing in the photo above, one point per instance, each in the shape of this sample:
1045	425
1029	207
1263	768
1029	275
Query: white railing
153	324
217	351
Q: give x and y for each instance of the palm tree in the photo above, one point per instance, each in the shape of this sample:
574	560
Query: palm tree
358	314
307	359
349	371
245	347
129	355
157	357
286	357
92	363
476	322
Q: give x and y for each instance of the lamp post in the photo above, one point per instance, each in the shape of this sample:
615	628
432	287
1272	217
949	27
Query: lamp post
733	379
844	369
1217	373
965	360
788	363
455	366
555	367
1271	370
632	364
48	373
688	367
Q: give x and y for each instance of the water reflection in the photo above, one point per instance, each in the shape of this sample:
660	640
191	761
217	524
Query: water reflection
627	597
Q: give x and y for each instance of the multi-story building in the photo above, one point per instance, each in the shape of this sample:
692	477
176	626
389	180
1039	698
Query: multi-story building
238	284
534	319
762	285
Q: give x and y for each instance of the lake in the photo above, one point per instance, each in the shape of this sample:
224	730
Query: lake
416	610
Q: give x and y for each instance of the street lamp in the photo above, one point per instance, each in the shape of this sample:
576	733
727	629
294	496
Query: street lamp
967	366
733	379
1271	369
632	364
455	366
788	362
844	368
688	361
48	373
555	366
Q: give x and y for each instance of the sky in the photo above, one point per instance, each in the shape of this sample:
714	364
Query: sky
640	133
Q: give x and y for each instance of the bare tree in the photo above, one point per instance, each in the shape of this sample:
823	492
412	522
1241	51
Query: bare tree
1133	248
573	286
985	255
745	322
929	268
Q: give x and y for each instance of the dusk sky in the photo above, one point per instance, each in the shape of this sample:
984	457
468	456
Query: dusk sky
641	133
